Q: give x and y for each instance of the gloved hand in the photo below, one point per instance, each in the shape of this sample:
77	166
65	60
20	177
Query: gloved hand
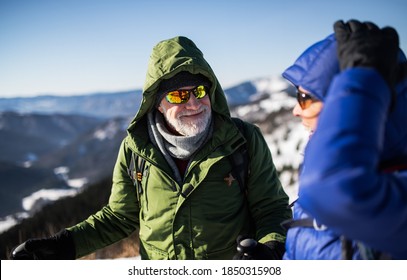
364	44
250	249
57	247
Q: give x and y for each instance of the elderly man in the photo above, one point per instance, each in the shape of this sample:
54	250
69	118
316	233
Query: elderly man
185	194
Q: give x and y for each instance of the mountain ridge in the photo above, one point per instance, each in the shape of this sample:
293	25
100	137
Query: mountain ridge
126	103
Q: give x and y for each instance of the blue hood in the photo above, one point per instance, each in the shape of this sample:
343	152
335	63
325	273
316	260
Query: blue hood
315	68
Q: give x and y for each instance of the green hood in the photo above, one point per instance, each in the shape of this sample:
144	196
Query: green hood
168	58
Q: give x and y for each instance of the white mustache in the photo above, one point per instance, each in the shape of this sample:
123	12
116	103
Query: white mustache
191	112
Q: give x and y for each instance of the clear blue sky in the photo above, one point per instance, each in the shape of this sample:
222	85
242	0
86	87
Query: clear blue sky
65	47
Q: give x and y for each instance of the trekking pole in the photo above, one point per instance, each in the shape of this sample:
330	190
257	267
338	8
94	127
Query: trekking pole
246	246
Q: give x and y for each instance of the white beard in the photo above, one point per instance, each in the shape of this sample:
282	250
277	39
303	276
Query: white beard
193	127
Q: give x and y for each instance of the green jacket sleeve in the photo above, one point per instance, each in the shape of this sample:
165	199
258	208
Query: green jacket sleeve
115	221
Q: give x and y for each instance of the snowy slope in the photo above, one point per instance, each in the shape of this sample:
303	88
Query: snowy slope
283	132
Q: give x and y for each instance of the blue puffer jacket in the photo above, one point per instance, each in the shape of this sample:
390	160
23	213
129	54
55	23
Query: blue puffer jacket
345	183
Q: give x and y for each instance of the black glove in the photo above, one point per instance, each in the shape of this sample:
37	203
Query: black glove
250	249
366	45
57	247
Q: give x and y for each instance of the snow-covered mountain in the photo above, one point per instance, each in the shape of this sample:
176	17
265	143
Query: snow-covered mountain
271	110
101	105
90	155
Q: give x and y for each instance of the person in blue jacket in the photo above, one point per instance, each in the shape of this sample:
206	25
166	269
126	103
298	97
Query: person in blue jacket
352	95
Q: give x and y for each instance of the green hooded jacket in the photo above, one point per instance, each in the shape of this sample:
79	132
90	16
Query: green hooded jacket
202	217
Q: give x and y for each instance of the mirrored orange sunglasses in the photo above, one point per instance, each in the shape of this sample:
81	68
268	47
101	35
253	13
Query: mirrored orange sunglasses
305	99
182	96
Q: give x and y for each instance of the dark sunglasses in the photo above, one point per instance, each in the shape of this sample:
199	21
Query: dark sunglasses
304	99
182	95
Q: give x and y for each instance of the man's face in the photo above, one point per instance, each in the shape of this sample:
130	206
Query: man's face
189	118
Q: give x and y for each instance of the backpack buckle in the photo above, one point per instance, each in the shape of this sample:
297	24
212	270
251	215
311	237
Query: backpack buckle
318	227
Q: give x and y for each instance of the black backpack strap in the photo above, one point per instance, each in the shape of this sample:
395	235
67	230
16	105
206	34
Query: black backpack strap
141	164
346	248
131	170
135	171
240	160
